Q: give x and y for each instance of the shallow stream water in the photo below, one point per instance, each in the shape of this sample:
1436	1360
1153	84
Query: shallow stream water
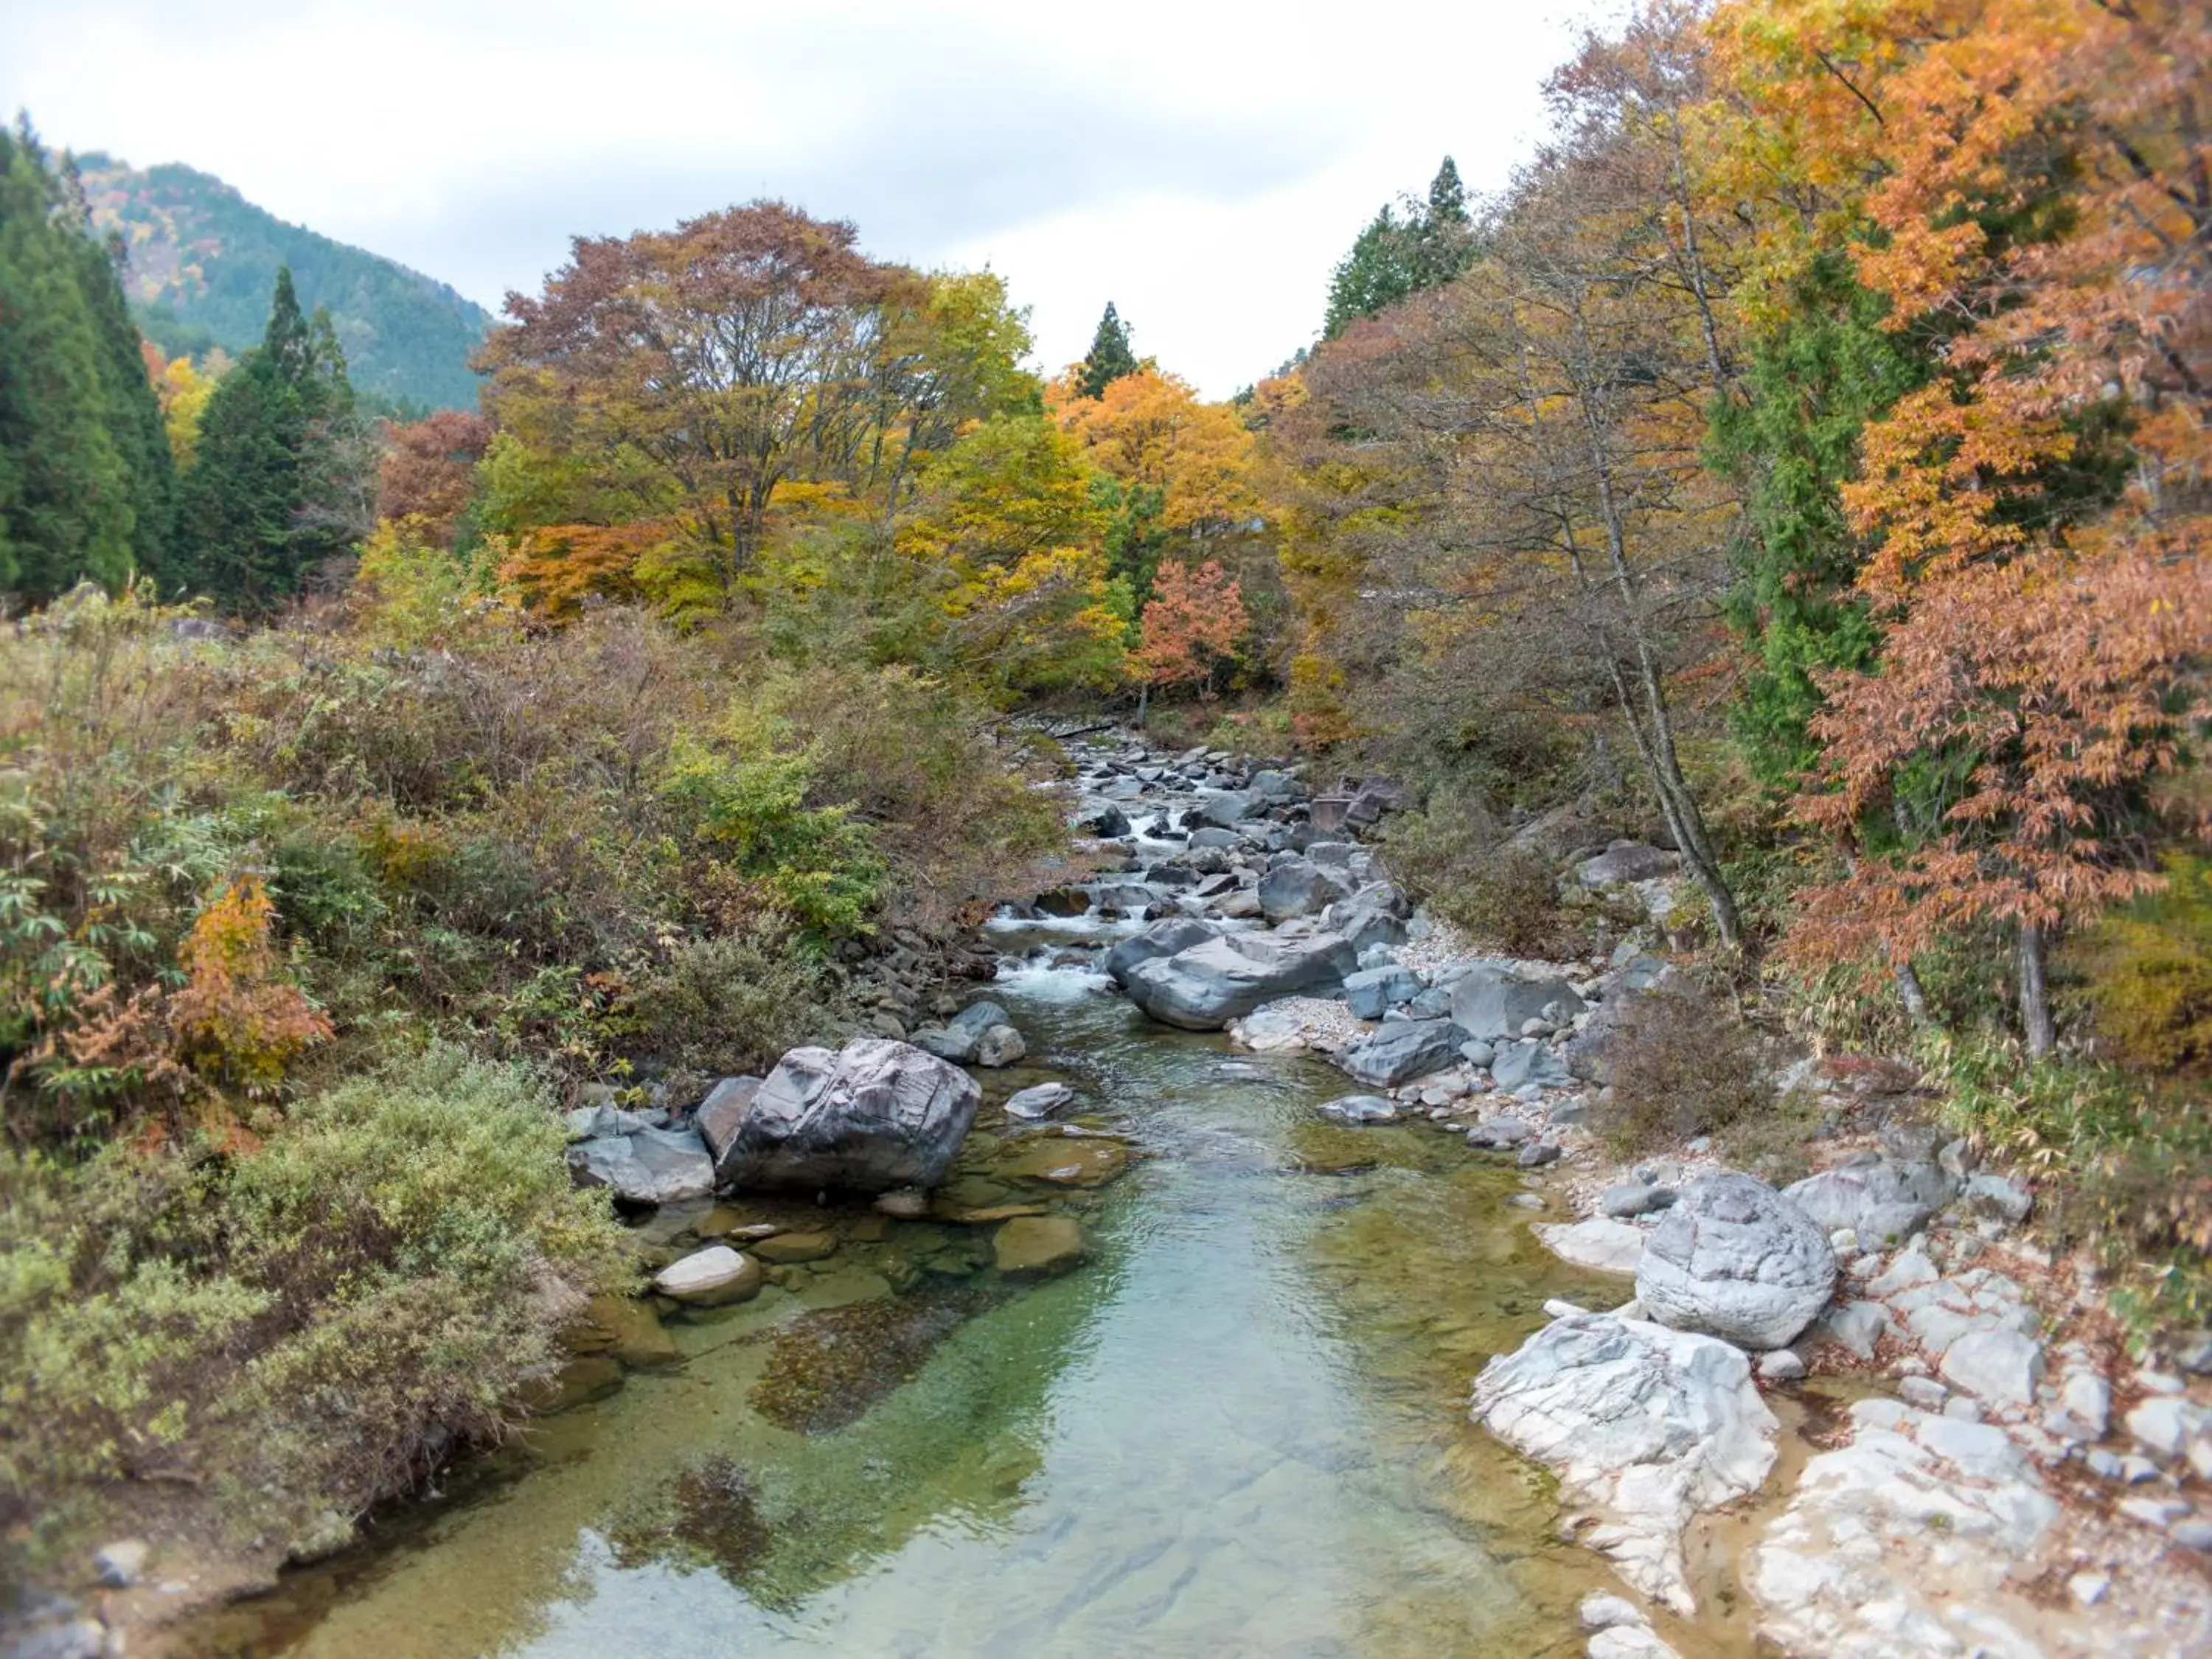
1240	1428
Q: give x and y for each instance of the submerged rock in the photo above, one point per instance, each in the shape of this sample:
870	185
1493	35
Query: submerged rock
877	1114
1360	1109
712	1278
1038	1245
1649	1425
1733	1258
1068	1163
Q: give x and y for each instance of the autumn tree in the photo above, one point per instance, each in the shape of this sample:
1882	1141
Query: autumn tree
1194	622
428	469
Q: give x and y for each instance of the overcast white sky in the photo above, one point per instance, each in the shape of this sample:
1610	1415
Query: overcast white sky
1202	163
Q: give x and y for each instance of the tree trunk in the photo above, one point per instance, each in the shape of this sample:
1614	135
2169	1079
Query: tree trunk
1144	703
1909	992
2035	1021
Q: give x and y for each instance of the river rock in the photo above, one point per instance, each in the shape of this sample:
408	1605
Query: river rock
1997	1195
1403	1049
1609	1247
1499	1134
1530	1059
1159	938
1038	1245
1298	887
1735	1259
1063	1163
1360	1109
712	1278
786	1249
1649	1426
961	1038
719	1114
877	1114
1039	1102
1495	999
1631	1199
1376	914
1206	987
1224	810
999	1045
1371	990
1883	1202
650	1167
1909	1539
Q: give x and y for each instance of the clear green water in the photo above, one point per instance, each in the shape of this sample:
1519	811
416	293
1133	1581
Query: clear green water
1241	1429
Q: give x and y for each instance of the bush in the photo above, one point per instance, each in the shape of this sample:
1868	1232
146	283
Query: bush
1685	1062
2148	968
308	1325
1502	896
735	1003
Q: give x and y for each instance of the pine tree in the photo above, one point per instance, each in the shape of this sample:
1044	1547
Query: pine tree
1109	357
1405	248
1444	240
258	510
66	486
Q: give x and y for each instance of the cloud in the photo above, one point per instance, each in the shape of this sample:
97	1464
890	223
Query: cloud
1202	164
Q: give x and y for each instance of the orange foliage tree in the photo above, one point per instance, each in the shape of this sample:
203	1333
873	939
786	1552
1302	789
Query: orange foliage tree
1196	621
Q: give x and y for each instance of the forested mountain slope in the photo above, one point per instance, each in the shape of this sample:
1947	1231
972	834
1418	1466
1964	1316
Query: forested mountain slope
203	259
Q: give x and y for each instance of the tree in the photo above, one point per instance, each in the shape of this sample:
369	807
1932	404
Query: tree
276	486
713	362
1196	620
85	479
1109	357
428	471
1416	244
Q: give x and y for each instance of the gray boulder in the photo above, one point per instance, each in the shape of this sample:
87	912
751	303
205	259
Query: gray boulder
876	1114
1298	887
1224	811
1626	861
1206	987
1883	1202
1039	1101
1372	990
1376	914
1496	998
1529	1061
721	1112
1401	1050
1161	938
1736	1260
648	1167
999	1045
961	1038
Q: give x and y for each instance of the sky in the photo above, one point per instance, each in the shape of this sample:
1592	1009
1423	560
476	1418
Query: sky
1203	164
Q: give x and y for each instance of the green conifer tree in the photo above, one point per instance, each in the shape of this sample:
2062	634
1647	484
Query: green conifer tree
66	490
258	510
1109	357
1413	245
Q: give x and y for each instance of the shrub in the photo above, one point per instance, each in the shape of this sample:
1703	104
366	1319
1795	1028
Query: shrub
735	1003
1504	896
2148	968
309	1324
1685	1062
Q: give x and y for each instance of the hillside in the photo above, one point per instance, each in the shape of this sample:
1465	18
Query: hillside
204	258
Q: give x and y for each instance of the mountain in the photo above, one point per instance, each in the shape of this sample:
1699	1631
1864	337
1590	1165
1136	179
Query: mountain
204	262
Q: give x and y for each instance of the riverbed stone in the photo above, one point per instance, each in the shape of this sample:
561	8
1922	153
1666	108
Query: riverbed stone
1649	1426
1039	1101
1159	938
2002	1367
1089	1161
1371	991
1038	1245
875	1114
1609	1247
1359	1109
784	1250
1206	987
999	1046
1299	887
1883	1202
1529	1061
1907	1540
1735	1259
1401	1051
651	1167
712	1278
1631	1199
1494	1000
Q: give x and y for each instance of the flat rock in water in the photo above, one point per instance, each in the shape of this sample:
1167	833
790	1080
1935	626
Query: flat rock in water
1648	1426
1206	987
1040	1102
1065	1163
1360	1109
1735	1259
711	1278
1610	1247
1038	1244
785	1249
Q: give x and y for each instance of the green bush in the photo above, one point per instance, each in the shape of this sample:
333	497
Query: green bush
735	1003
1685	1062
2148	971
1503	896
303	1325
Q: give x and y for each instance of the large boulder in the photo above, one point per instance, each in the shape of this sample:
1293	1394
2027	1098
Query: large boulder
646	1167
1206	987
1883	1201
1224	809
1376	914
1401	1050
1299	887
876	1114
1626	862
1161	938
1495	998
1735	1259
1531	1060
1647	1425
721	1112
